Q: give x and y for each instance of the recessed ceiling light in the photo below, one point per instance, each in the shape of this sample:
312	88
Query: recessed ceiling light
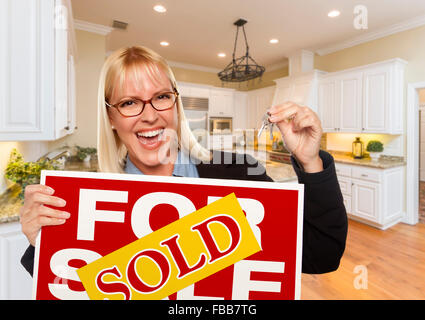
221	54
159	8
164	43
334	13
274	41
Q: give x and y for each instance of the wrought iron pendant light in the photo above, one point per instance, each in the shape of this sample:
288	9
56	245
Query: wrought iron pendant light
243	68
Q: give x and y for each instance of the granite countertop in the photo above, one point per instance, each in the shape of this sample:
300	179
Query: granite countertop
384	162
281	172
10	203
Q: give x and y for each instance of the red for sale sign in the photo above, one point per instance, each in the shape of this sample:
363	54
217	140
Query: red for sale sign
110	211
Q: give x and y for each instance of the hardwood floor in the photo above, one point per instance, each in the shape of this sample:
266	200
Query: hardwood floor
391	264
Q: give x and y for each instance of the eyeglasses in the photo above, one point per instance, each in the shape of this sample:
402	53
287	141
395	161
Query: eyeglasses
133	107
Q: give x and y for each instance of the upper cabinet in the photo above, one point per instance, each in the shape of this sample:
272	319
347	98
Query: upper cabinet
301	89
367	99
221	103
221	100
37	82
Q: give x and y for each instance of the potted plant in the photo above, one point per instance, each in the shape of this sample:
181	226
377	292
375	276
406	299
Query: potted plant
25	173
375	147
84	154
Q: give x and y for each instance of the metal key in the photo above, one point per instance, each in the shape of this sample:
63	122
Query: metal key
266	123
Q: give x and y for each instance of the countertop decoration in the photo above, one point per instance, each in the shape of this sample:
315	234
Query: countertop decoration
375	147
10	202
84	154
25	173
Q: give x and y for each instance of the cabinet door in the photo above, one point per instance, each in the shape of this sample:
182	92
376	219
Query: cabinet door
349	102
283	93
61	73
240	121
27	72
326	105
365	200
376	99
15	281
301	92
221	104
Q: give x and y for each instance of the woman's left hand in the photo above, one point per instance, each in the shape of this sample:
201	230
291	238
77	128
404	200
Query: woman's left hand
301	131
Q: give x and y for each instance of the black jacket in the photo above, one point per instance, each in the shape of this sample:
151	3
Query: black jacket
325	218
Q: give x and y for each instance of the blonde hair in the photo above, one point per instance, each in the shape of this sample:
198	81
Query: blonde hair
111	151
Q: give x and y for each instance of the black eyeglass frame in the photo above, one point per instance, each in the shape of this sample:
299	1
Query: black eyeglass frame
145	102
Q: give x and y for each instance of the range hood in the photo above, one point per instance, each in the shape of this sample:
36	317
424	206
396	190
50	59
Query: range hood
301	85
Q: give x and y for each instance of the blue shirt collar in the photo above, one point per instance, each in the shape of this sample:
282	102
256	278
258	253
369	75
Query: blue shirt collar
183	167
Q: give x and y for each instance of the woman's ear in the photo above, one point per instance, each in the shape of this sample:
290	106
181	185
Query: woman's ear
111	122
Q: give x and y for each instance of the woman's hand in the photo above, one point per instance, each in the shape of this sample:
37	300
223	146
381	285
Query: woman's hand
301	132
35	215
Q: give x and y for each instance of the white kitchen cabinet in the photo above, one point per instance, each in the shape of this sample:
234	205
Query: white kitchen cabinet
259	101
36	42
221	103
193	90
15	281
349	101
301	89
365	200
328	112
365	99
240	104
373	196
383	98
339	101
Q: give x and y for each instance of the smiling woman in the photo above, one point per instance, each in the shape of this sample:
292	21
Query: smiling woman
142	129
138	82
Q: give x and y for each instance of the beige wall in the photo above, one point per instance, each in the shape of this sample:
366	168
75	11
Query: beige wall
408	45
422	97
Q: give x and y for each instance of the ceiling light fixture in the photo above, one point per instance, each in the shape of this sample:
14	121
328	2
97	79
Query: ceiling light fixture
274	41
243	68
334	13
159	8
164	43
221	54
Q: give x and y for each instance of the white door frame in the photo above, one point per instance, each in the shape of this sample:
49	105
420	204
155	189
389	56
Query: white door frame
412	168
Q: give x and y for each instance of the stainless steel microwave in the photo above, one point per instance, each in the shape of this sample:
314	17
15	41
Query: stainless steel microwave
221	125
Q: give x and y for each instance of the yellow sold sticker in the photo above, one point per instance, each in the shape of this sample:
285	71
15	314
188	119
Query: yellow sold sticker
175	256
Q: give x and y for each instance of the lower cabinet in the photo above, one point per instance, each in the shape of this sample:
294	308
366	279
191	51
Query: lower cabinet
373	196
15	281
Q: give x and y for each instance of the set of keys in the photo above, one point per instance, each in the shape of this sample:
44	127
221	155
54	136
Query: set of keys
266	123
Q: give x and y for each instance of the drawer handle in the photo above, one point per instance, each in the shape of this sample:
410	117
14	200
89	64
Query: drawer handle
364	175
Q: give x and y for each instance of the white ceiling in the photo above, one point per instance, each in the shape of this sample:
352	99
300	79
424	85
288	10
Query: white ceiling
198	30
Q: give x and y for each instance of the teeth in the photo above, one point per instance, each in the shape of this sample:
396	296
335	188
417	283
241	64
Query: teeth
149	134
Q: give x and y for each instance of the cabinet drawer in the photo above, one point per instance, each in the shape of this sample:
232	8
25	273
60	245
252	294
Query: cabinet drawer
366	174
343	170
